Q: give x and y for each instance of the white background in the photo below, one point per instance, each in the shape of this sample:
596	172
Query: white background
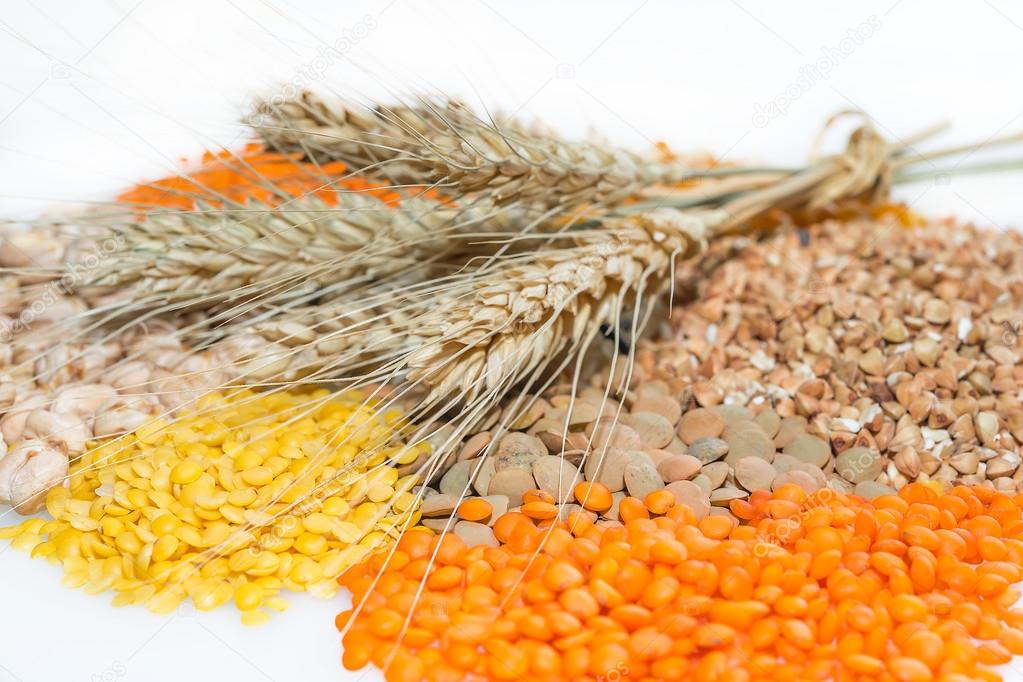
94	96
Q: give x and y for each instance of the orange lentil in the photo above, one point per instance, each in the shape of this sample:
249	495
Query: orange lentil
545	661
607	657
1012	639
668	551
742	509
780	508
539	510
445	578
562	575
907	608
925	646
991	548
862	664
632	508
909	670
648	643
593	496
537	495
507	524
736	583
790	606
894	589
993	653
738	614
763	633
825	563
475	510
605	594
450	549
713	635
716	527
921	536
575	662
798	633
861	617
506	662
659	501
579	603
385	623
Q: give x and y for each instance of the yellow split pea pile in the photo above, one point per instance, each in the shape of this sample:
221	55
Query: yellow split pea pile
247	494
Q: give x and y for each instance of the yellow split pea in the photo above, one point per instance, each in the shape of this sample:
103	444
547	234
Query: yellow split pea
247	494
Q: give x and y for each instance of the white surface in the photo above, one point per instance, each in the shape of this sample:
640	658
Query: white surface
94	96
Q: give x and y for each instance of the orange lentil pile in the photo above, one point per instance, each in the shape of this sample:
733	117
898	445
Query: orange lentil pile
252	174
908	587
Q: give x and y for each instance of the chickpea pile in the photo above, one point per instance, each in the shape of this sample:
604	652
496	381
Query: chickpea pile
908	587
248	494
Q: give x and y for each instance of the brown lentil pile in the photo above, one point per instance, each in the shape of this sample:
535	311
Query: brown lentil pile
854	356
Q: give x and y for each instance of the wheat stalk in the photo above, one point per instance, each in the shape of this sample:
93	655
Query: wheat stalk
447	145
416	332
330	341
523	313
469	338
239	265
479	332
482	330
359	137
181	255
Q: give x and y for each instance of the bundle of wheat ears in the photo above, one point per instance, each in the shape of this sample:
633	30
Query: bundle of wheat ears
508	255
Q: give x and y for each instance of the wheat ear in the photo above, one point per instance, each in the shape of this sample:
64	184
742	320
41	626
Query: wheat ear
522	314
341	340
237	266
481	332
204	254
447	145
478	332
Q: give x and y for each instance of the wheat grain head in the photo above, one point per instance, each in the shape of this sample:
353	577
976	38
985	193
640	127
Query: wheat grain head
445	144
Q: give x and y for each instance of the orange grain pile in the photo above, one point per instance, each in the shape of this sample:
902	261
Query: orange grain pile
908	587
252	174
